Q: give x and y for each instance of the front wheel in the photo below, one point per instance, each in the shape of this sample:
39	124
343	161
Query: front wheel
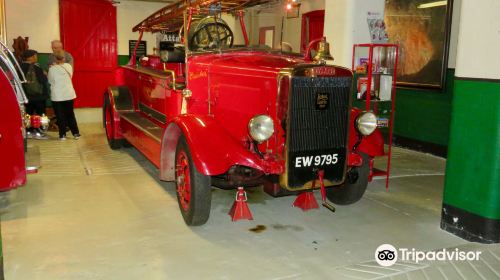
109	126
193	188
354	185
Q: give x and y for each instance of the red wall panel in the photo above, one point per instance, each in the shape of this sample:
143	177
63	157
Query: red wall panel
88	32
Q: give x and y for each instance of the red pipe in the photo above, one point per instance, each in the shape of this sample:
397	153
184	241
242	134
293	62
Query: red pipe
189	21
134	56
243	29
307	54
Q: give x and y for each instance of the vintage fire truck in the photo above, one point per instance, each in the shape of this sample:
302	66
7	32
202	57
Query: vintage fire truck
208	112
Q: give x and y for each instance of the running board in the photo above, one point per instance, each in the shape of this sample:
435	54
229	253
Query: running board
143	134
140	122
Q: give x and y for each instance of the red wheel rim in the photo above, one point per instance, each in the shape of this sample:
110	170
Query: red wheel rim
108	123
183	180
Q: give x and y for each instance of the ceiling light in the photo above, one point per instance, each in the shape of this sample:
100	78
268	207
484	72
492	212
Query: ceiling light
432	4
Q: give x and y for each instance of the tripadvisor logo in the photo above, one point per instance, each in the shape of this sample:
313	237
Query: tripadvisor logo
388	255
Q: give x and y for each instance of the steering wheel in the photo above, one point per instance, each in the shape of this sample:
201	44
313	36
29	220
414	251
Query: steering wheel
211	35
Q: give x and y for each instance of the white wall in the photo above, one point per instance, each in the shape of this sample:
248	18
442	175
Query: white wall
129	14
338	30
36	19
267	19
234	24
346	25
39	20
455	20
292	27
479	40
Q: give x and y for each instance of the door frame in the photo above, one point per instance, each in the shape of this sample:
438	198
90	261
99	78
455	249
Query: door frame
262	34
304	30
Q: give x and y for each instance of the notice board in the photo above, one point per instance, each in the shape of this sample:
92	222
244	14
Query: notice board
141	49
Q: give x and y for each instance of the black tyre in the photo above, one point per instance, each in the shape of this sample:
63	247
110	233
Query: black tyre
126	144
109	126
193	189
354	185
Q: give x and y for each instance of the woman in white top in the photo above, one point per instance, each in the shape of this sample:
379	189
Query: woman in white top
62	95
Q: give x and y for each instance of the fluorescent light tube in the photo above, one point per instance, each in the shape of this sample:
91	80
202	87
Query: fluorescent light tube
432	4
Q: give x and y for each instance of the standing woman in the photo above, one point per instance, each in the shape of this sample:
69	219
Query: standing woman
62	95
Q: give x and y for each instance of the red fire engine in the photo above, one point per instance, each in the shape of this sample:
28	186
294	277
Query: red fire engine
208	112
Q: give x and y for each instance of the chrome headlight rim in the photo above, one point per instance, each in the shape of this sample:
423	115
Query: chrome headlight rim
261	128
366	123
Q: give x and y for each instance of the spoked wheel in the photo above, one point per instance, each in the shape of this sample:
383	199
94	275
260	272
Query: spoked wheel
354	186
193	188
211	35
109	126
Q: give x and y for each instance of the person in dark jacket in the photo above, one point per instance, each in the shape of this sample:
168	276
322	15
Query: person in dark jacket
36	89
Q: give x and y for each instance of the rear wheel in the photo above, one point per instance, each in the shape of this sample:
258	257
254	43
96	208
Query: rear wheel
193	188
109	126
354	186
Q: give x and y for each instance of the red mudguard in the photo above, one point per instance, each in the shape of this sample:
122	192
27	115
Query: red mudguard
213	150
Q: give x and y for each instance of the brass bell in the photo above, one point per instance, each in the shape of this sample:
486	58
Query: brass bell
323	51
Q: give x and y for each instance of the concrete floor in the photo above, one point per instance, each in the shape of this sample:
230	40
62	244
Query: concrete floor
94	213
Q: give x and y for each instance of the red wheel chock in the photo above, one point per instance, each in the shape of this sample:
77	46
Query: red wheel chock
306	201
240	210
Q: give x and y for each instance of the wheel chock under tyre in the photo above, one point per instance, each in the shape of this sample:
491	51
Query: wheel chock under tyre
240	210
306	201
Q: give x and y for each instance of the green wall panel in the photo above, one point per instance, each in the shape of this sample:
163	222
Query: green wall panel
473	167
421	114
42	59
123	59
424	115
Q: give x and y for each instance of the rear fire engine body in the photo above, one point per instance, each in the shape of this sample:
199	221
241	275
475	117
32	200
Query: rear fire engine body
208	113
13	123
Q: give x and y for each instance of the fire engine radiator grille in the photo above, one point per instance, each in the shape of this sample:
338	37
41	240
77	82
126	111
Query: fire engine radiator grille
315	126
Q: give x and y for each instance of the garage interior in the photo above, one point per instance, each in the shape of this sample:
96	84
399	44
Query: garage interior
91	212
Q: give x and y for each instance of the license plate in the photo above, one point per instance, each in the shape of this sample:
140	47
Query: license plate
304	166
319	161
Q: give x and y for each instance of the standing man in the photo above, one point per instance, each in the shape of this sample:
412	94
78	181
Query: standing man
57	47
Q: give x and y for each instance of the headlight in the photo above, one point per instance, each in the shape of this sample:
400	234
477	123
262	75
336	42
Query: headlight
366	123
45	121
261	128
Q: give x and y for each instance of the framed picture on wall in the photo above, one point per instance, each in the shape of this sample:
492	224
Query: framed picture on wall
421	28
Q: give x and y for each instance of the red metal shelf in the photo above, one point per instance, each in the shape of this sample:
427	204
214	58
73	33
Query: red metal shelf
382	59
